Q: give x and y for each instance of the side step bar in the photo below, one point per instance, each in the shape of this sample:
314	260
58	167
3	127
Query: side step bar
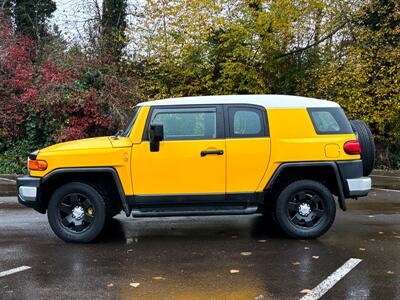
138	213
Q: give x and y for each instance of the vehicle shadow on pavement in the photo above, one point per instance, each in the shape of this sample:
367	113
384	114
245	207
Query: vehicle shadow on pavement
263	227
113	232
259	228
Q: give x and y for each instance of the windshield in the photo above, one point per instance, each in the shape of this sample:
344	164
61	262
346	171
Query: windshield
128	129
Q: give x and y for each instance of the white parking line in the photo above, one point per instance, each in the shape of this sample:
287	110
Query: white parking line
332	279
386	190
9	180
12	271
385	176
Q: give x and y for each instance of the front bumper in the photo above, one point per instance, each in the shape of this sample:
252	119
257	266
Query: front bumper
28	191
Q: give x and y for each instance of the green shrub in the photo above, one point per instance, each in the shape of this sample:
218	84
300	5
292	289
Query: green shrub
14	160
394	158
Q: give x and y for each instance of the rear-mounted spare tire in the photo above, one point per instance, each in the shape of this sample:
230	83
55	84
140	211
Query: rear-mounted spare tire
366	140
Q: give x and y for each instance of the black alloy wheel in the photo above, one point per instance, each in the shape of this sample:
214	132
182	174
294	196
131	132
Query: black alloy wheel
77	212
305	209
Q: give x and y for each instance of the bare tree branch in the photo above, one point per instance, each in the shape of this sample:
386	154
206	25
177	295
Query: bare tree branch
297	50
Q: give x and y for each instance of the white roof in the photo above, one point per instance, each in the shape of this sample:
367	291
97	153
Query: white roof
268	101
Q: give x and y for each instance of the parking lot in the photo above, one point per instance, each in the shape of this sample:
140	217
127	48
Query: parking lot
221	257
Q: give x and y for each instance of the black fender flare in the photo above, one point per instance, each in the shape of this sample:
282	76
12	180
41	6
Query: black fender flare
109	170
331	164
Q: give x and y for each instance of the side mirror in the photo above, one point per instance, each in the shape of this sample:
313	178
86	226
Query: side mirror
156	135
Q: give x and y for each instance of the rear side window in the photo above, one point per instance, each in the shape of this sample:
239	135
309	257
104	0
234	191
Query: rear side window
330	120
246	122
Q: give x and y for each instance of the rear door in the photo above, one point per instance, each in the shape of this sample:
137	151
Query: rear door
247	147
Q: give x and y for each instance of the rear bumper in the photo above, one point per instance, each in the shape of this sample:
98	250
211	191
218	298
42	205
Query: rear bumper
354	183
28	191
359	187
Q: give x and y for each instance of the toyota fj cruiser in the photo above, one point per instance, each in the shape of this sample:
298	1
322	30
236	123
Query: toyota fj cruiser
282	156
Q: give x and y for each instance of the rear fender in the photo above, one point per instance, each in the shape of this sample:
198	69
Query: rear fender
313	170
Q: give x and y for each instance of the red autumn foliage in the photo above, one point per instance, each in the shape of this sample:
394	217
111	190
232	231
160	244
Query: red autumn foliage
69	95
87	117
17	92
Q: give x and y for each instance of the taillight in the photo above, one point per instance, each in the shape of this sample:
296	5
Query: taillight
37	165
352	147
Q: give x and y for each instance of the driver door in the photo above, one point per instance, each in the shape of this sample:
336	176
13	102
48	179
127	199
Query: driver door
191	159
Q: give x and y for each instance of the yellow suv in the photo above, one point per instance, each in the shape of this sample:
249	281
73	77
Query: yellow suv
282	156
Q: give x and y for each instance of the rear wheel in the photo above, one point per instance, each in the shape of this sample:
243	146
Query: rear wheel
77	212
305	209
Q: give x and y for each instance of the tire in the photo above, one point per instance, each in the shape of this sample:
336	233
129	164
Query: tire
366	139
302	197
77	212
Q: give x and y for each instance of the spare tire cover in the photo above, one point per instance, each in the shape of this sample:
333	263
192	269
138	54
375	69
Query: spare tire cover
366	140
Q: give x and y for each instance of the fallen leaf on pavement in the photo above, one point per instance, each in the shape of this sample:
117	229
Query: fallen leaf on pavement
381	232
296	263
245	253
110	285
234	271
262	241
315	257
372	240
134	284
158	278
306	248
259	297
305	291
362	249
371	216
390	272
397	236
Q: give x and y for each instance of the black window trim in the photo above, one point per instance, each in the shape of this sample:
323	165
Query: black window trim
328	109
219	119
228	124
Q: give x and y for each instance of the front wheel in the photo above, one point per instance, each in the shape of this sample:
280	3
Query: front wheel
76	212
305	209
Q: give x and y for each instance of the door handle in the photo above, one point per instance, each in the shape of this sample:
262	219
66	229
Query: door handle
209	152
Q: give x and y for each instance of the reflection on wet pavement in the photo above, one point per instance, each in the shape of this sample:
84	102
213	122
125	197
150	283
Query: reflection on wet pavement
192	257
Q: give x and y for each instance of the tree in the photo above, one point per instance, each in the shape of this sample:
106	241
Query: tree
362	72
31	17
5	8
230	46
113	25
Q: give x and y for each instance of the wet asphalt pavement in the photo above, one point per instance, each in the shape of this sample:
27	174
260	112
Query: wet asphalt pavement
192	257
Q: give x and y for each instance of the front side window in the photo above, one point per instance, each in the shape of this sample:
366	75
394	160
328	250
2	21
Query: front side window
330	120
246	122
187	124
